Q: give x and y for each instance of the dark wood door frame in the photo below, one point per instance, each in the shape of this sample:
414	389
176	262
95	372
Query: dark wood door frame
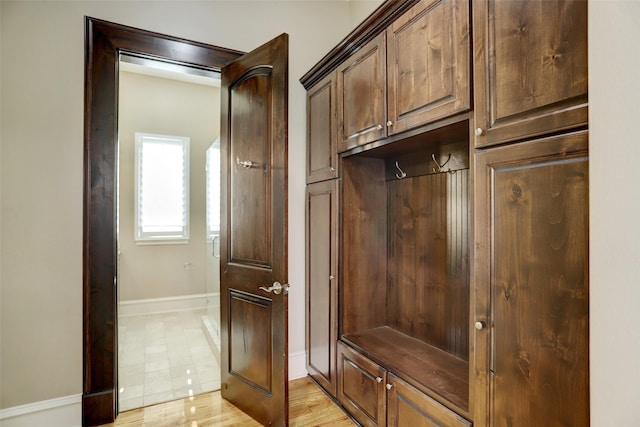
104	41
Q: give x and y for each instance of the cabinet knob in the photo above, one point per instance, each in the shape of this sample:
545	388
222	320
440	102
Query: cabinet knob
378	379
331	277
480	325
389	386
479	131
379	127
332	169
389	123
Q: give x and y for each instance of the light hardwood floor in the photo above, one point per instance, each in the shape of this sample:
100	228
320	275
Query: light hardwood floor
308	406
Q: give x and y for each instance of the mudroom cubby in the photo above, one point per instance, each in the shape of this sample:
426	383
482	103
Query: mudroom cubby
404	295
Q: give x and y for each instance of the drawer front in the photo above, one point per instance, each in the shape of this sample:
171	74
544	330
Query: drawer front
408	406
361	387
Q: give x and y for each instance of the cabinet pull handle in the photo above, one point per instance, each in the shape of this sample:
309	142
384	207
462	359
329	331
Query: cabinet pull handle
389	386
371	129
378	379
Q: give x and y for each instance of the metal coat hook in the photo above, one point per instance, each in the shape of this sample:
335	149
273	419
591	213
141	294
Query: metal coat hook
402	173
440	167
245	163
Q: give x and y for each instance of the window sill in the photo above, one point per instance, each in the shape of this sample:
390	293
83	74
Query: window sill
162	242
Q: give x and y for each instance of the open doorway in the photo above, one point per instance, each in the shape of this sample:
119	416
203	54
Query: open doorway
168	231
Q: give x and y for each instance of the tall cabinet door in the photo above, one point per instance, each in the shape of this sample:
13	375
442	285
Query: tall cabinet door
428	52
530	68
532	284
322	282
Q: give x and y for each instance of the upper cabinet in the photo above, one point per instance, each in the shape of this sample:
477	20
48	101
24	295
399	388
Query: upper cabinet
414	73
322	154
428	64
362	95
530	68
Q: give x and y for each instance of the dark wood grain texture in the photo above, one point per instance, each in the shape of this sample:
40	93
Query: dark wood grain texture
363	268
428	281
322	131
362	96
435	372
532	283
371	27
407	406
428	63
322	283
530	68
103	43
253	235
361	387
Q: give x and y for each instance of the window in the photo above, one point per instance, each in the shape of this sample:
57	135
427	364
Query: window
161	188
213	189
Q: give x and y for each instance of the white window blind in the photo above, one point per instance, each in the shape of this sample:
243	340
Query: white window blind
161	187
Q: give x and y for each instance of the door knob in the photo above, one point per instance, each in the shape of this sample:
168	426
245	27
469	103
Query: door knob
276	288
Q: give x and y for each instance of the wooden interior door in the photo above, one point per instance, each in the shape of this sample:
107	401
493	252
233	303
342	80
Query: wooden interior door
253	239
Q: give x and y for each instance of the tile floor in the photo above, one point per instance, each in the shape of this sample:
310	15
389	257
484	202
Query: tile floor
164	357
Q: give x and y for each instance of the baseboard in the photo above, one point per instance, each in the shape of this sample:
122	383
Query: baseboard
142	307
297	365
59	412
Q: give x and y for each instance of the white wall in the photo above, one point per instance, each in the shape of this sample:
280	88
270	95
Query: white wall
167	107
614	158
42	66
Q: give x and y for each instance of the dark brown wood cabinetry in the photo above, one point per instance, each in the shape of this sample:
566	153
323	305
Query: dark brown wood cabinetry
428	53
407	406
460	230
532	284
530	73
322	151
362	95
322	282
414	73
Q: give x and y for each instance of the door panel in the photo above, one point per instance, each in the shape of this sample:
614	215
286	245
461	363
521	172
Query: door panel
362	103
250	339
428	52
249	235
253	236
530	68
532	283
322	282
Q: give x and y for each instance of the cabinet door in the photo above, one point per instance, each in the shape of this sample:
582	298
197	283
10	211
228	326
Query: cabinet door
322	151
322	282
362	104
361	387
428	52
531	276
530	68
408	406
